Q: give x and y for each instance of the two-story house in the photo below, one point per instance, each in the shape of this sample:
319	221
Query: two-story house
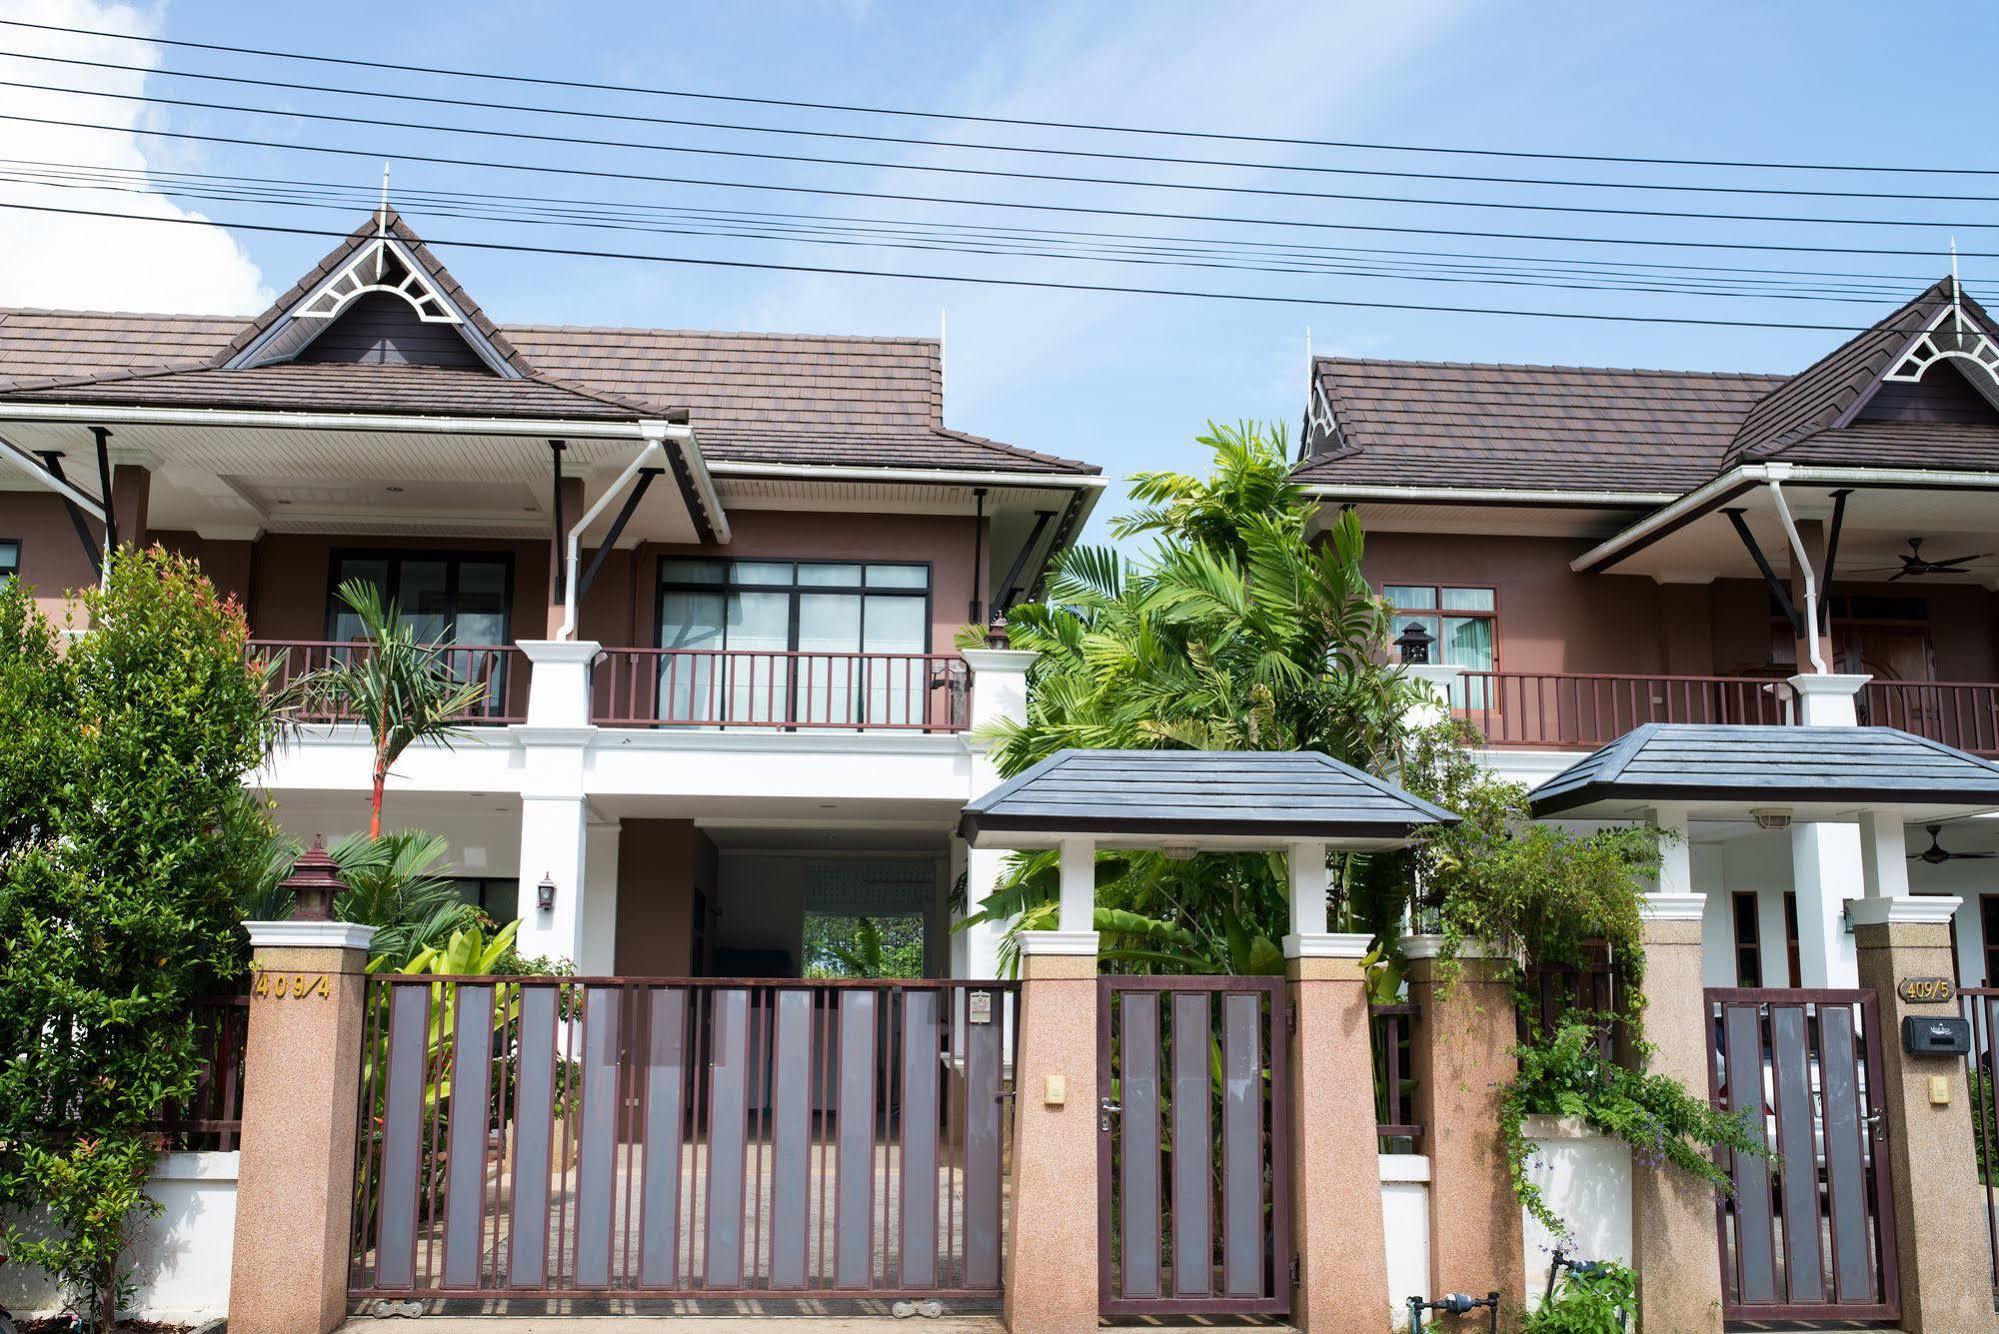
713	581
1594	549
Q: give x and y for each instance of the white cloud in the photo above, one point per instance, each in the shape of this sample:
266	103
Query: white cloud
53	259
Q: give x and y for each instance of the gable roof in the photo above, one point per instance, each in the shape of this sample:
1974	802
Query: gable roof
782	399
1817	398
1569	428
1523	427
1777	765
1241	796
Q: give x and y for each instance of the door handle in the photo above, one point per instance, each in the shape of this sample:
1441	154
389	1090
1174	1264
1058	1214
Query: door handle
1106	1109
1877	1122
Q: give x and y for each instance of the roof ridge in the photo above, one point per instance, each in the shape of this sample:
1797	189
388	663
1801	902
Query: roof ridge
535	327
1323	361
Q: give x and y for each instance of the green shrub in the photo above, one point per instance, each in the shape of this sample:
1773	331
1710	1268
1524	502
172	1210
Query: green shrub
125	837
1596	1300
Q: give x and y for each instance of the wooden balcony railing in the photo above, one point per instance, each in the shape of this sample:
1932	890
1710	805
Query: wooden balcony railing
655	687
1585	710
1964	714
502	668
1390	1029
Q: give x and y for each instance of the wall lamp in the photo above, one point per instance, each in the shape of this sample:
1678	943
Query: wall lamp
544	893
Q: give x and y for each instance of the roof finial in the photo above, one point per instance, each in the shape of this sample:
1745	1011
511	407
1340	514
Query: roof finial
382	221
943	352
1956	290
1308	347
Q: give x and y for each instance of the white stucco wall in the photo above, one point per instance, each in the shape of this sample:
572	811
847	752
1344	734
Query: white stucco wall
1405	1224
180	1258
1586	1179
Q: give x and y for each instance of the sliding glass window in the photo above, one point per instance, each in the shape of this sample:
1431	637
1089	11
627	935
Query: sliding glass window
793	643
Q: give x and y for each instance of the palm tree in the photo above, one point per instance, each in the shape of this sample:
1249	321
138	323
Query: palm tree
403	691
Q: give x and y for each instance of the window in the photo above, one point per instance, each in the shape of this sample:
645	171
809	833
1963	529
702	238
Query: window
445	598
10	559
867	918
1464	622
1748	941
496	896
815	642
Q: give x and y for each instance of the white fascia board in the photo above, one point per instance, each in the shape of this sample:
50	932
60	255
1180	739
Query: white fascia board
1794	474
1090	482
330	421
707	496
1448	495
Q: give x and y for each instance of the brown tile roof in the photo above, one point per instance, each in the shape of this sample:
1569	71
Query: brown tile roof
1525	427
1958	446
781	398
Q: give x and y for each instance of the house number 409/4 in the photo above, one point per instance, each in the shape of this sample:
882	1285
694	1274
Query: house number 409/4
296	985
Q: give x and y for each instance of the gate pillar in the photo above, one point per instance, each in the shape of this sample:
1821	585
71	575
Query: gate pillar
1675	1247
301	1082
1461	1055
1051	1261
1335	1170
1940	1237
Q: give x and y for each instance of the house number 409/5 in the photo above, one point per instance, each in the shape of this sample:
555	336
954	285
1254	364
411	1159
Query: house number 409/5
295	985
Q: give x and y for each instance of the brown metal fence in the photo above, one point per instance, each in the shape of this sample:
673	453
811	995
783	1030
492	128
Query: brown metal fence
1391	1028
1193	1160
213	1118
675	1138
1809	1232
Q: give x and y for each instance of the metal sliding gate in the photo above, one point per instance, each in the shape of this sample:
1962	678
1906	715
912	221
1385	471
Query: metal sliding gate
1809	1233
623	1137
1194	1190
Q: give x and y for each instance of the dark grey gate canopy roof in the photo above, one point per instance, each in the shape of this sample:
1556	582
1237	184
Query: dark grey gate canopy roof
1217	798
1816	772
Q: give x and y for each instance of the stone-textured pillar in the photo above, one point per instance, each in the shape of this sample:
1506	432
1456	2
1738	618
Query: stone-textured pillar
1461	1054
1336	1215
1946	1266
999	693
301	1085
1674	1243
1051	1261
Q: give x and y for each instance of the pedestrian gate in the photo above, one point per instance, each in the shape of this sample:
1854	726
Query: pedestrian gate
628	1137
1193	1160
1809	1233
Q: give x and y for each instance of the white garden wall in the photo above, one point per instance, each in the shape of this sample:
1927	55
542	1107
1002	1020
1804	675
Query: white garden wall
181	1257
1405	1224
1586	1179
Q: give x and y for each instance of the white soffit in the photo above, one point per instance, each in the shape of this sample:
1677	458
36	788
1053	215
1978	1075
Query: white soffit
1488	520
880	497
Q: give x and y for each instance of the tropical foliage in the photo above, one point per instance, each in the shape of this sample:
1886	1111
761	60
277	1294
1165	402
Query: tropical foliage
1236	630
404	691
1598	1297
393	884
126	837
838	945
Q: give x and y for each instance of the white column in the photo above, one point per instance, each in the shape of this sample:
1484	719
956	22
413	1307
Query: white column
1442	683
1674	898
1827	701
554	845
559	689
999	693
1884	855
1825	874
1078	908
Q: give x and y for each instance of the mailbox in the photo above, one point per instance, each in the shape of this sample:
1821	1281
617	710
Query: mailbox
1923	1036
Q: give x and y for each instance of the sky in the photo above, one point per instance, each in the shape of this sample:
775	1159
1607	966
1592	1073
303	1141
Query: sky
1122	380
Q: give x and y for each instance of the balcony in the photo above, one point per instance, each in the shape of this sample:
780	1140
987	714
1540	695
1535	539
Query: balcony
1587	710
753	690
503	668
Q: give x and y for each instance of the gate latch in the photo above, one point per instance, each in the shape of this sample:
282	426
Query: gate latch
1106	1109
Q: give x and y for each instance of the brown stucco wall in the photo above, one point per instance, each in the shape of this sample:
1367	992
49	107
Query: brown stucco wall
226	563
1551	619
662	864
52	559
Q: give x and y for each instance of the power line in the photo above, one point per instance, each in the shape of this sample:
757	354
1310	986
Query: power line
597	86
293	85
599	173
1092	242
1350	269
511	247
1268	192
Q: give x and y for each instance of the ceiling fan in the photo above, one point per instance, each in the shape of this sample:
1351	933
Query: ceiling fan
1915	564
1936	854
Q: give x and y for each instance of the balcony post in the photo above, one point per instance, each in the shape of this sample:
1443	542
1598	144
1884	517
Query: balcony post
559	688
554	819
1828	700
999	694
1825	856
1442	684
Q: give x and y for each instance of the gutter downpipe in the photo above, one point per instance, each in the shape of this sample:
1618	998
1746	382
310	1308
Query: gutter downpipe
655	434
1774	479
